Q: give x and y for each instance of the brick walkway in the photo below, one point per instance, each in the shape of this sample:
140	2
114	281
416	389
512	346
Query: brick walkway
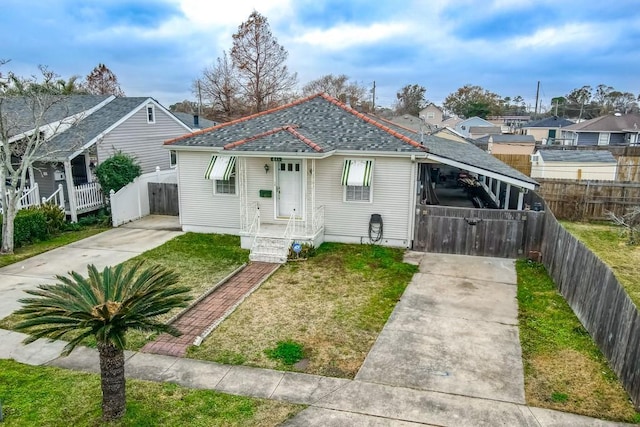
212	309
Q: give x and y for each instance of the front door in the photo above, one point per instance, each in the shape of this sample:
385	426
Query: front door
289	197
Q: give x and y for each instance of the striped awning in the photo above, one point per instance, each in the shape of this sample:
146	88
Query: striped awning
357	173
220	168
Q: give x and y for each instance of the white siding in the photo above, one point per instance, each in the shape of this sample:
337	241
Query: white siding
199	207
260	180
569	170
142	140
392	189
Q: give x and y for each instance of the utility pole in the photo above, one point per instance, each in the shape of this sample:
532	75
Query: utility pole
373	102
535	114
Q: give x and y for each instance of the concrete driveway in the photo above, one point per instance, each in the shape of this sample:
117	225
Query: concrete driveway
455	331
109	248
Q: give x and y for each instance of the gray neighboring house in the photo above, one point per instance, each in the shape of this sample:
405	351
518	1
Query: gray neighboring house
572	164
194	121
317	170
612	129
475	127
88	130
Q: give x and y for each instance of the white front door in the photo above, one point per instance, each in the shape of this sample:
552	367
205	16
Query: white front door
289	197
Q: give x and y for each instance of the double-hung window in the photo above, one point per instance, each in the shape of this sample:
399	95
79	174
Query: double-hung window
356	180
222	171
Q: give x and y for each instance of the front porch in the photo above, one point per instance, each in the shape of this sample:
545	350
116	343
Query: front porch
271	241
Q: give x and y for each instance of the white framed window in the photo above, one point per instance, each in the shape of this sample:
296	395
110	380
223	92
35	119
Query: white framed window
603	138
173	158
357	179
225	186
151	114
431	115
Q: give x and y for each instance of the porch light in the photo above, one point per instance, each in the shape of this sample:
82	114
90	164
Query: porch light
266	168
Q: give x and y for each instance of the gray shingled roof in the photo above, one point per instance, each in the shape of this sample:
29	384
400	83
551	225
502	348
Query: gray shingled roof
187	119
582	156
70	141
505	139
19	111
549	122
333	127
608	123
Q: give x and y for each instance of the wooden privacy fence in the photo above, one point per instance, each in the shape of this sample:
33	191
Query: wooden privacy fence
163	198
598	300
583	200
482	232
521	162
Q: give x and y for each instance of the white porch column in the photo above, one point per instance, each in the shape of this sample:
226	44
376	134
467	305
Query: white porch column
490	185
87	168
32	179
520	199
498	192
70	190
507	197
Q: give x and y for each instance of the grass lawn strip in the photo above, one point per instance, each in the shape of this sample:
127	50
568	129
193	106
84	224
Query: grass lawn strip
38	396
606	241
564	369
334	305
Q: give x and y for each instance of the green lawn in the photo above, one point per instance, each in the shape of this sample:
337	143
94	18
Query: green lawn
564	369
609	244
46	396
63	239
333	306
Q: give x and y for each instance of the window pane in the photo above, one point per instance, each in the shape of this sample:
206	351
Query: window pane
358	193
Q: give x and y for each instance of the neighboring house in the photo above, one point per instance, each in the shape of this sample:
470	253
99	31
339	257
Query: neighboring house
411	122
432	115
450	122
547	131
464	127
194	121
317	170
612	129
582	164
94	128
510	144
509	124
450	134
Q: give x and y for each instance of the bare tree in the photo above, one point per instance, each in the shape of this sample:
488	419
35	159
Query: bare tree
220	88
264	79
337	86
102	81
26	129
630	221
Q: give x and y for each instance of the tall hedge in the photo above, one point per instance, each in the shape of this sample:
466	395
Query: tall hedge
117	171
29	226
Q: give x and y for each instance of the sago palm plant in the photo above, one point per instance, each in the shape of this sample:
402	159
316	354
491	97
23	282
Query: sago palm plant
104	305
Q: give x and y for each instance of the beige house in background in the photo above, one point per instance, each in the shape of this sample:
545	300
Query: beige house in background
546	131
587	164
511	144
432	115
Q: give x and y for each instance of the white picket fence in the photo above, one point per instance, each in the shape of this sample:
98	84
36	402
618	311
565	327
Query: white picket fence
30	197
88	196
132	201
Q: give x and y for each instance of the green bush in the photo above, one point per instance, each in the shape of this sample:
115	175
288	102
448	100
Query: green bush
55	217
117	171
29	226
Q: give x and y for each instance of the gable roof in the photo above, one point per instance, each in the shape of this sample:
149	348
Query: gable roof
549	122
513	139
491	130
608	123
320	125
476	121
573	156
19	110
188	119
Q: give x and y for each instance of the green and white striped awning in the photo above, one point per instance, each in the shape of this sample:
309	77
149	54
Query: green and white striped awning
357	173
220	168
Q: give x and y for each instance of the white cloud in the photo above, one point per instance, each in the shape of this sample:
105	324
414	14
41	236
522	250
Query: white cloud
574	34
349	35
231	14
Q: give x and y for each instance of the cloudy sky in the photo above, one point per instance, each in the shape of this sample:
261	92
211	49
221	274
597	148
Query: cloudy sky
158	47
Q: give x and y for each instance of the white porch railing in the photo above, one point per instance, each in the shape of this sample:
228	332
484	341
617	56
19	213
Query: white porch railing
88	196
254	228
57	198
317	222
290	231
30	197
248	216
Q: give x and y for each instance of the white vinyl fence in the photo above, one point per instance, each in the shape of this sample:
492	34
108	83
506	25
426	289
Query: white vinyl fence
132	201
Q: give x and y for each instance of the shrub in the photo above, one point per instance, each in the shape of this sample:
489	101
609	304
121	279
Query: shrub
117	171
307	250
29	226
54	216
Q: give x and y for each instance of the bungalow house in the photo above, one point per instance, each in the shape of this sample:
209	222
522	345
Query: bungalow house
88	129
317	170
612	129
547	131
475	127
582	164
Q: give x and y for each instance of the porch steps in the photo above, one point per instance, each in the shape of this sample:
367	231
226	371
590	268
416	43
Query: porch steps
270	249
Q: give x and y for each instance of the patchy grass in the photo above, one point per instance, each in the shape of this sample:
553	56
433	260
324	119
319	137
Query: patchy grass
200	259
39	396
564	369
609	243
34	249
333	305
